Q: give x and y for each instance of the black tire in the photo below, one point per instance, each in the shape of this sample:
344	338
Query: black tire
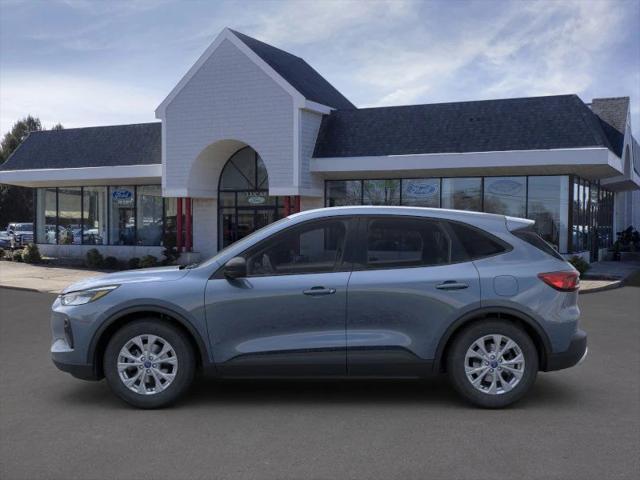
456	363
184	352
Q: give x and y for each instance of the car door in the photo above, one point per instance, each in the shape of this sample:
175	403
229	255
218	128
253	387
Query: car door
410	282
288	316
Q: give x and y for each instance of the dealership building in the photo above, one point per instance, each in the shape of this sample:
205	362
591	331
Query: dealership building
252	133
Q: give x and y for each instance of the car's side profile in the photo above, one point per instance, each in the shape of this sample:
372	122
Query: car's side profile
356	292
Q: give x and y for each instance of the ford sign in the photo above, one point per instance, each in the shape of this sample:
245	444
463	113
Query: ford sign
122	195
505	187
420	189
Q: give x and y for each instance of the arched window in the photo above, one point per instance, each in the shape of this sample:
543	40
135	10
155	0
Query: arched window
244	204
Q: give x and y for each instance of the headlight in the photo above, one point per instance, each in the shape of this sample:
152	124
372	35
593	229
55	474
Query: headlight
85	296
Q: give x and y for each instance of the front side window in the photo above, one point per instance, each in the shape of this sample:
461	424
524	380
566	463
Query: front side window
316	247
406	242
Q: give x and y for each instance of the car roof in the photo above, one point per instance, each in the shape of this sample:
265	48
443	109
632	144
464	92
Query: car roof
444	213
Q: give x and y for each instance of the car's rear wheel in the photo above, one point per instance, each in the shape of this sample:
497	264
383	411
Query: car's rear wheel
149	363
492	363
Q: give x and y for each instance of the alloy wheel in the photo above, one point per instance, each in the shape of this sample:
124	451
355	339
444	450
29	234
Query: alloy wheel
147	364
494	364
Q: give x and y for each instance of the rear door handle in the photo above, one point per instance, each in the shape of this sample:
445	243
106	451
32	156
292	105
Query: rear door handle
318	291
452	285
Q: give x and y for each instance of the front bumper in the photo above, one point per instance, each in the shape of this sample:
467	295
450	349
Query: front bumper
573	355
83	372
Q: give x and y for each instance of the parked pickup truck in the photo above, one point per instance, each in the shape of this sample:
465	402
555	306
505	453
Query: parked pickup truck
20	234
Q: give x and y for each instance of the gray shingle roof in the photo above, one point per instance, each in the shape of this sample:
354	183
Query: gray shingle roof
613	115
298	73
137	144
534	123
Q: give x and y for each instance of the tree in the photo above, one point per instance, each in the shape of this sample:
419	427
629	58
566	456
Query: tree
16	203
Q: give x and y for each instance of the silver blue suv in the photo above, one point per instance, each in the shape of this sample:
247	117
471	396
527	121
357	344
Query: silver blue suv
357	292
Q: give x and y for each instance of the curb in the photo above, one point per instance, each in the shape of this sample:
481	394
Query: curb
611	286
27	289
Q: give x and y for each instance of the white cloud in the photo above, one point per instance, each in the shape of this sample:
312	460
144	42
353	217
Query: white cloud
73	101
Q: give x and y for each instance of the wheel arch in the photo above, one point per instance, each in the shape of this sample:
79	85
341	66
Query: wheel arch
118	320
531	327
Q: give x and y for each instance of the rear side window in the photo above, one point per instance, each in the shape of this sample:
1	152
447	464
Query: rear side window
406	242
532	238
475	243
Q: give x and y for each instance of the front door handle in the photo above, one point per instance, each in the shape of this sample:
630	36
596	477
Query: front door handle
452	285
318	291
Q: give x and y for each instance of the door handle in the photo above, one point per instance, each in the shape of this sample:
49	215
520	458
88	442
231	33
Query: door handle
452	285
319	291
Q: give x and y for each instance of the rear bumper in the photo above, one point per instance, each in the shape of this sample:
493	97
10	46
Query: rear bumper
576	352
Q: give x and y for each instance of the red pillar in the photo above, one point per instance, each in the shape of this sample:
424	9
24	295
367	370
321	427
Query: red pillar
179	225
287	206
297	200
189	241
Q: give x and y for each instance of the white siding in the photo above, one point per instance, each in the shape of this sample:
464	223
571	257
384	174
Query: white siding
309	127
205	227
229	97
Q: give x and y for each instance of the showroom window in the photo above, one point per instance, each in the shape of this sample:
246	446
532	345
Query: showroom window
117	215
46	215
381	192
421	192
94	215
122	219
462	193
548	205
69	216
149	215
506	195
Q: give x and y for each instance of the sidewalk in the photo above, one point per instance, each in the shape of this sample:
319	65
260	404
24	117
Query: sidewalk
607	275
41	278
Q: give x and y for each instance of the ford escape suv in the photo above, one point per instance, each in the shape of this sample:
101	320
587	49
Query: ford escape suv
357	292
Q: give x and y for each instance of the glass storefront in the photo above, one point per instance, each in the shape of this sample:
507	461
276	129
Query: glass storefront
545	199
94	215
244	204
462	193
115	215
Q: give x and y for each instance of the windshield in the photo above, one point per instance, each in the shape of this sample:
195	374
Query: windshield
23	227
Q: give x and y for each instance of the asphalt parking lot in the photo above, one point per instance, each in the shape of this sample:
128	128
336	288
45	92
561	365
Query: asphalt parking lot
580	423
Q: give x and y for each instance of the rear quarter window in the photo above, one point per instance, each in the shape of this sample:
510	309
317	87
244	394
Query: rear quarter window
532	238
476	243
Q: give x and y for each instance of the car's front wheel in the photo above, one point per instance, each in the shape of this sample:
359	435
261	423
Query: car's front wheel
492	363
149	363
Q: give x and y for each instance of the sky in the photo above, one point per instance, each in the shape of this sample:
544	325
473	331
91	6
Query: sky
86	63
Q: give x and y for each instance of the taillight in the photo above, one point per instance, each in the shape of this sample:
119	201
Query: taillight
563	281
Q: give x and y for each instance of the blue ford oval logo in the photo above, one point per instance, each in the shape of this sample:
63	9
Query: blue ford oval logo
121	194
422	189
505	187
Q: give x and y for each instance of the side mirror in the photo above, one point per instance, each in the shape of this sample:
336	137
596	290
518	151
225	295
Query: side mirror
235	268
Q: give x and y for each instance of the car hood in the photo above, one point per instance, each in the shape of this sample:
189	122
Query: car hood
159	274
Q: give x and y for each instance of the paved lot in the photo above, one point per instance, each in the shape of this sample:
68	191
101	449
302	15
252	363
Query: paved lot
581	423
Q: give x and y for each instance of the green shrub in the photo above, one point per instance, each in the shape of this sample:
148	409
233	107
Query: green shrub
1	253
94	258
133	263
580	264
17	256
31	254
110	263
148	261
